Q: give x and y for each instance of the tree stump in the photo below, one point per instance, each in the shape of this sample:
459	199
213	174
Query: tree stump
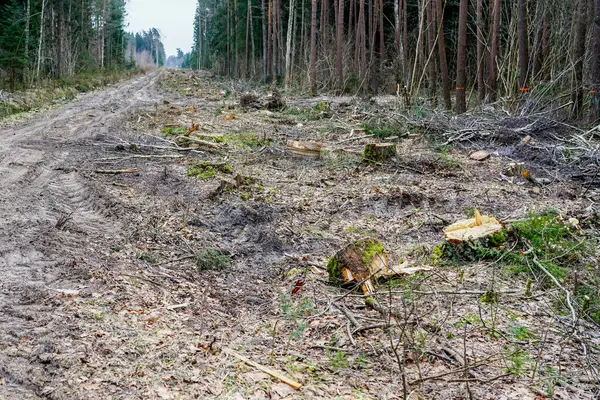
358	262
379	152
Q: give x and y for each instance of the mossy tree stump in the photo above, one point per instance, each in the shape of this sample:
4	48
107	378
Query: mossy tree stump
379	152
359	262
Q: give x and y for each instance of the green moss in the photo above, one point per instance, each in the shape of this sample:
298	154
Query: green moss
205	170
371	248
334	271
201	171
490	297
369	301
173	131
323	106
436	254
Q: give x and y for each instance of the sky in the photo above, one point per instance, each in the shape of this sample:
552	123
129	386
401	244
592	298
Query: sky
173	18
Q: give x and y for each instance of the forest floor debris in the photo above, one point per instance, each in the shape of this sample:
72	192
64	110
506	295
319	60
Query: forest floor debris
174	273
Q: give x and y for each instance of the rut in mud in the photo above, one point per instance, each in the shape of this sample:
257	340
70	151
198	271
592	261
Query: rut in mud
106	283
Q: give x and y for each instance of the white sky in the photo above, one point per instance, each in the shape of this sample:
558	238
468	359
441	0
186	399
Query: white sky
173	18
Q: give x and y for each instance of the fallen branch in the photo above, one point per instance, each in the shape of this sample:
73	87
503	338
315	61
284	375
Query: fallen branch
149	156
116	171
267	370
553	278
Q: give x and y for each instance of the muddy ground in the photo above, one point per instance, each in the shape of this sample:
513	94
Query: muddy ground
106	291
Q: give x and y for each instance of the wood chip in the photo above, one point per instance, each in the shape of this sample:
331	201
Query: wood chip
480	155
309	149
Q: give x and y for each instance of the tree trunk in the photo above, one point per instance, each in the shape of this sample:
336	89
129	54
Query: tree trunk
269	60
104	36
339	69
313	49
27	22
595	92
325	27
288	44
39	52
431	38
442	54
578	57
523	46
405	44
228	47
495	49
246	58
363	42
480	53
461	64
264	41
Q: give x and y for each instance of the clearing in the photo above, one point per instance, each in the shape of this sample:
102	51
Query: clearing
138	258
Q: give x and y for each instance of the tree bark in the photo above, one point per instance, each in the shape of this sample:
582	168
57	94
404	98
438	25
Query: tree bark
523	46
431	39
480	53
578	57
246	58
461	64
439	8
104	36
595	93
288	44
495	49
264	41
313	49
339	68
39	52
269	60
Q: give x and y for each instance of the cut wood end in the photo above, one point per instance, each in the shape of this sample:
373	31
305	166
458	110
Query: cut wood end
310	149
473	228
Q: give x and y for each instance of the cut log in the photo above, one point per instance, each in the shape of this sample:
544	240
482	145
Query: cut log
309	149
379	152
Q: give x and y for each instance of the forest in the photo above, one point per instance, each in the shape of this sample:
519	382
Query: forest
453	52
58	39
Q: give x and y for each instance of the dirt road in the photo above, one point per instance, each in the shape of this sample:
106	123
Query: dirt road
40	185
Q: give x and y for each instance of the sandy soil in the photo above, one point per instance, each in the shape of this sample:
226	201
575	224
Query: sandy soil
101	297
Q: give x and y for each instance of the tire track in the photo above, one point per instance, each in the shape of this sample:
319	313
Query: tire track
38	186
